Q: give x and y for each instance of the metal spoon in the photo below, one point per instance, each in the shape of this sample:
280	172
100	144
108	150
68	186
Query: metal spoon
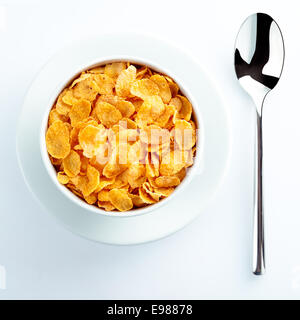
258	60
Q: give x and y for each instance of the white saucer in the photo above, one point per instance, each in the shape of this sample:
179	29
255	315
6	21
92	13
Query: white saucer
181	209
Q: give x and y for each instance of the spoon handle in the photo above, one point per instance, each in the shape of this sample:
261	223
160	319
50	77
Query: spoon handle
258	232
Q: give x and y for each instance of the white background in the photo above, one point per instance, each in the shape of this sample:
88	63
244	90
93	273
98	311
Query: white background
211	258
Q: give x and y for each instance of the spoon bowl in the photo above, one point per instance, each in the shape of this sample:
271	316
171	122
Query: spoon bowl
259	56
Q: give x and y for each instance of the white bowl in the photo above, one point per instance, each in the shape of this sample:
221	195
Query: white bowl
88	64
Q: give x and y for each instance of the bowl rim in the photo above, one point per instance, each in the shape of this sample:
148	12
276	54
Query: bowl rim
191	171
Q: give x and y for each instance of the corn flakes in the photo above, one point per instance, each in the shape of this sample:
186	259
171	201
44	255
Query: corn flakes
121	136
